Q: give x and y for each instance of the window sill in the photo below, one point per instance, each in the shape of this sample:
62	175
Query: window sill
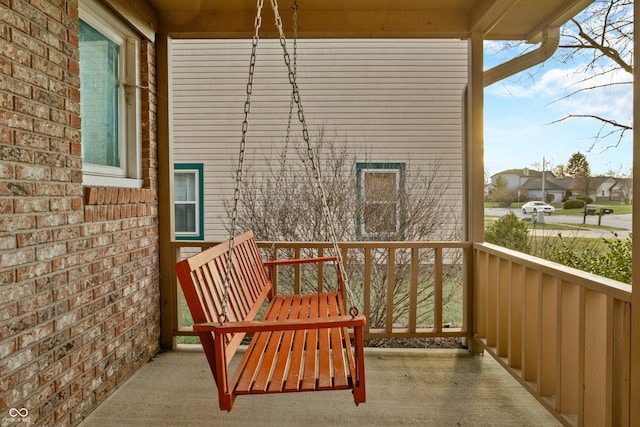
110	181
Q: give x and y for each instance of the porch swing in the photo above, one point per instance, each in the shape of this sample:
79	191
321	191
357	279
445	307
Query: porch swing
302	341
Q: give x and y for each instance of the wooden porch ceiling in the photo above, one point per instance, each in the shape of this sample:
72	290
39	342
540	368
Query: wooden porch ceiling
497	19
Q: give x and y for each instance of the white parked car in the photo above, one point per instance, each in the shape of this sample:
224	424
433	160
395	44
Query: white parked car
535	207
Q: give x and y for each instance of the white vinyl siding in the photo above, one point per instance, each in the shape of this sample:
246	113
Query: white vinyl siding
395	100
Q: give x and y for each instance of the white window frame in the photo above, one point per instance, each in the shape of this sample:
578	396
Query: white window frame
197	172
129	172
379	168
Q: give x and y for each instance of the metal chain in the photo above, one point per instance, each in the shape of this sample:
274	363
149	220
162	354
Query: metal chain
310	154
295	67
245	127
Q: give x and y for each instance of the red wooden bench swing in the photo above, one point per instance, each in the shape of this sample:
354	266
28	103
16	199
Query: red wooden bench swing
302	341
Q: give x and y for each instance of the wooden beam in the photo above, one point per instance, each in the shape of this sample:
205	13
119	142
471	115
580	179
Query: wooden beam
474	169
635	277
168	287
487	13
316	24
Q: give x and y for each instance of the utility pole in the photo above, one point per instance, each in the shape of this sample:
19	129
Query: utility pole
544	199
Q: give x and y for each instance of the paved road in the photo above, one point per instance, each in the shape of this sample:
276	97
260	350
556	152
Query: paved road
622	222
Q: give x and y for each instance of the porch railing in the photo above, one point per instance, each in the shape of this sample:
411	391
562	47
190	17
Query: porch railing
563	333
405	289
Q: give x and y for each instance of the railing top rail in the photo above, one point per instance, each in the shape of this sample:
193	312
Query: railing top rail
346	245
614	288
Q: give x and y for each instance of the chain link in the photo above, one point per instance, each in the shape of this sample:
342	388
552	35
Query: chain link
295	67
310	154
245	127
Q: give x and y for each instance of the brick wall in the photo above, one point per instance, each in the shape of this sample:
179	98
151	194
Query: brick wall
79	298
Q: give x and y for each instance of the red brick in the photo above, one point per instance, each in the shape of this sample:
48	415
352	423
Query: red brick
6	206
33	238
29	75
100	197
33	172
90	195
50	189
14	20
47	127
6	135
7	242
30	205
16	121
32	140
74	67
14	52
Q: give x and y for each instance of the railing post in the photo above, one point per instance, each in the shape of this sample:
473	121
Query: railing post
470	299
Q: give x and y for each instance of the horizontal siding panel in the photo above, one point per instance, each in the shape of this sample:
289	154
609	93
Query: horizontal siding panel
391	100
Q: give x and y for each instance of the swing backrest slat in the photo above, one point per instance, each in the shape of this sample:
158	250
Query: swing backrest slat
202	278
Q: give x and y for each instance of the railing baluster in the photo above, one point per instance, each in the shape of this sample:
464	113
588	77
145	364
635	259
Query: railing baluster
413	291
296	273
391	273
516	311
620	361
595	355
438	283
531	323
503	290
547	371
367	288
320	272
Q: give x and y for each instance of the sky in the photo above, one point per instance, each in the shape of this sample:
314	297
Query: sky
520	111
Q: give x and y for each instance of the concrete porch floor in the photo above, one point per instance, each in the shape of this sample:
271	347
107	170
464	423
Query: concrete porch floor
425	387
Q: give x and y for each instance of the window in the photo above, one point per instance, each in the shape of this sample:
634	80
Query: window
380	196
188	193
109	98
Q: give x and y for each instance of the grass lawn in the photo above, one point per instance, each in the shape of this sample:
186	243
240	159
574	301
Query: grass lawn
617	207
558	226
186	321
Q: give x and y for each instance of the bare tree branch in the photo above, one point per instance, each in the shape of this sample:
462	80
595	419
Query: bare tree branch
611	53
593	116
618	128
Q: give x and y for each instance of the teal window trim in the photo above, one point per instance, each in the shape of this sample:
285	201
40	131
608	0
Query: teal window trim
361	169
198	169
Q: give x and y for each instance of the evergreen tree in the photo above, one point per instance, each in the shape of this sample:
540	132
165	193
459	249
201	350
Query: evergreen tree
579	169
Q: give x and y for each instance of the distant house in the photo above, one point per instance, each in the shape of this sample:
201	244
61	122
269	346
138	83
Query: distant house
529	183
601	188
517	177
534	190
622	190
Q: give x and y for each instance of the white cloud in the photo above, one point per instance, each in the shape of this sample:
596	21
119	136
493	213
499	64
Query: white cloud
571	91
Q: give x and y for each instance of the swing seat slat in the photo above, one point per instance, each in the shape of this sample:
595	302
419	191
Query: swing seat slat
302	342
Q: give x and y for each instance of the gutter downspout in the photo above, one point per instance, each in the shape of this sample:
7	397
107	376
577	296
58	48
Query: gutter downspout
549	45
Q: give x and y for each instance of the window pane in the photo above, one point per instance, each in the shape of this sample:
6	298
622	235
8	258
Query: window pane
185	218
185	187
380	218
380	186
99	86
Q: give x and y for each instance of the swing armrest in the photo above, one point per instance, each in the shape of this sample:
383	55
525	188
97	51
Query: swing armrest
281	325
299	261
